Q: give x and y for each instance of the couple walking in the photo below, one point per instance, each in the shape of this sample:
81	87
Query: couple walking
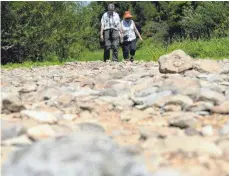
113	31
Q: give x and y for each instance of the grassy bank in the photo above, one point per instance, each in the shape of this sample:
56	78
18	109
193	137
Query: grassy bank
151	51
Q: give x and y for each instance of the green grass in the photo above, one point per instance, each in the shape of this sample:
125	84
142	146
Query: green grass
30	64
149	51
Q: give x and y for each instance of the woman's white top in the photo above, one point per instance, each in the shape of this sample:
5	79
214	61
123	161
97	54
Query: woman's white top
128	29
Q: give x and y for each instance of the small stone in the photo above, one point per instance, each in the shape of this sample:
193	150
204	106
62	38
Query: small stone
223	108
69	117
225	129
210	95
172	107
89	127
40	132
181	100
207	130
191	131
17	141
43	117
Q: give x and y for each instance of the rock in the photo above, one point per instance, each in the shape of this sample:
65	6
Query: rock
172	107
209	95
17	141
176	62
182	100
206	65
11	130
134	115
12	103
40	132
48	93
89	127
43	117
223	108
151	99
109	92
76	153
182	121
28	87
187	144
207	130
225	129
182	85
69	117
191	131
200	106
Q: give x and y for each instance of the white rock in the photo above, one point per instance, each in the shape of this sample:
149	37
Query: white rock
44	117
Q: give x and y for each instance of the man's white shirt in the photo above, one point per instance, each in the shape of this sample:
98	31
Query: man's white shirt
110	21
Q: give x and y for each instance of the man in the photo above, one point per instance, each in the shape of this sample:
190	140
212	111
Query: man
110	33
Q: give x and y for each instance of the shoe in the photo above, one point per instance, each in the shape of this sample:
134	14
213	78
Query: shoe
131	59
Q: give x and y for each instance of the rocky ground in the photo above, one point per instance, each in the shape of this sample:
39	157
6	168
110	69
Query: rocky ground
96	118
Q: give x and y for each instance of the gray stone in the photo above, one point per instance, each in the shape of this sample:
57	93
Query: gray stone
200	106
183	121
182	100
151	99
11	130
209	95
80	154
90	128
12	103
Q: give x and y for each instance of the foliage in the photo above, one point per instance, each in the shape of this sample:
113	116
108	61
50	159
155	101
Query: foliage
52	31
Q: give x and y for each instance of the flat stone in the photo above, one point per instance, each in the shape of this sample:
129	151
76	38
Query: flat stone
17	141
209	95
223	108
182	100
206	65
43	117
40	132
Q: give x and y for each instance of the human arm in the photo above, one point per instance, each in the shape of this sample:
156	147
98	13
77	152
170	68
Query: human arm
137	32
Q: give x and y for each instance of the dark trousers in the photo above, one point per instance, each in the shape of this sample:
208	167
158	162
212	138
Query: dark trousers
111	38
129	47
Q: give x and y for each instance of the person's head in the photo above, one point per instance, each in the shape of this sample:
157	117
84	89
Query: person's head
127	16
111	8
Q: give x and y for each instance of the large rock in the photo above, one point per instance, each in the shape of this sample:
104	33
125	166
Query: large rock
80	154
175	62
12	103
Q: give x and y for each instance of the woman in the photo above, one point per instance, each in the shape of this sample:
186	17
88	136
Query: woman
128	29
